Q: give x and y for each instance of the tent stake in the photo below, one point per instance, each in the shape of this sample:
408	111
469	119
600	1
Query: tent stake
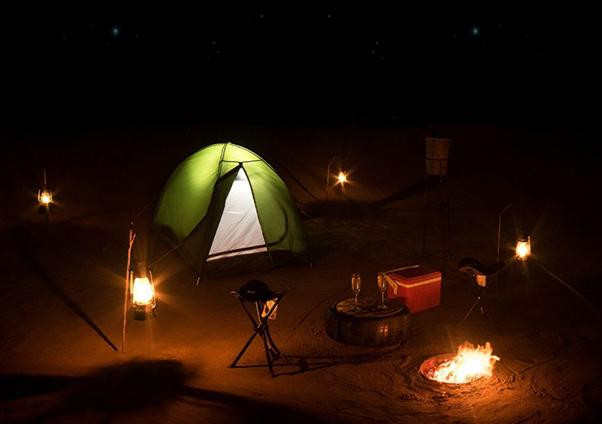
132	237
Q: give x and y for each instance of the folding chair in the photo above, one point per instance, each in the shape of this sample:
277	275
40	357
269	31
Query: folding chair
479	273
258	293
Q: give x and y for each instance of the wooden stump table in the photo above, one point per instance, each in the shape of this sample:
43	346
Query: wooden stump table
366	325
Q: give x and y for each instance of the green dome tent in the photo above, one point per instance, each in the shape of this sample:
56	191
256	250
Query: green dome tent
225	200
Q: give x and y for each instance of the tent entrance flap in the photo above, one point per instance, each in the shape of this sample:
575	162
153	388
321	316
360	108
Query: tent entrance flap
239	231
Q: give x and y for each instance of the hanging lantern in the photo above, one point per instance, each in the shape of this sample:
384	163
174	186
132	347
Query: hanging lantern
44	197
143	296
342	178
523	247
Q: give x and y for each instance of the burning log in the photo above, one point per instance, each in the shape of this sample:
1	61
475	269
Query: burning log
468	365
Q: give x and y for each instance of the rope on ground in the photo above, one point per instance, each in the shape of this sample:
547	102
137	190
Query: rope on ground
311	310
164	255
296	180
571	289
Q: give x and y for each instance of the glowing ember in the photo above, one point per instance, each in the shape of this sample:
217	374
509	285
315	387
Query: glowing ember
342	178
468	365
143	291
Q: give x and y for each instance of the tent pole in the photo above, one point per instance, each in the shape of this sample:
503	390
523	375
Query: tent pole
328	176
132	237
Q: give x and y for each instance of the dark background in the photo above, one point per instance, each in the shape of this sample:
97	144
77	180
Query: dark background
300	65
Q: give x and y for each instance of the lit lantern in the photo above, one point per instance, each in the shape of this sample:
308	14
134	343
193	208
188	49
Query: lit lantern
143	296
342	178
44	197
523	247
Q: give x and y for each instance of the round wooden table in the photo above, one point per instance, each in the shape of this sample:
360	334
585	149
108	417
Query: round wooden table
365	324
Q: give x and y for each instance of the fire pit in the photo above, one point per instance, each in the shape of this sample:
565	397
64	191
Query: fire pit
468	365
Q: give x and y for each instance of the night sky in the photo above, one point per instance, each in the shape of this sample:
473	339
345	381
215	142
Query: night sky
301	65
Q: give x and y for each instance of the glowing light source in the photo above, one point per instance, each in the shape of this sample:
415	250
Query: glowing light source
469	364
143	296
342	178
523	247
143	291
44	197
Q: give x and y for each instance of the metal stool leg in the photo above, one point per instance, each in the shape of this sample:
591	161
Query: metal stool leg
474	305
249	341
243	350
260	327
268	354
273	348
265	337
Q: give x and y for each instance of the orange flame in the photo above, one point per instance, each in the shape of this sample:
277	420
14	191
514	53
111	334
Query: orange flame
468	365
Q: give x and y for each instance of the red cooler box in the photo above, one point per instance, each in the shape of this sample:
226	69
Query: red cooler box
418	286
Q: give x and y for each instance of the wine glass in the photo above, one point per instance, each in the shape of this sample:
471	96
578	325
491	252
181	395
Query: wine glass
356	286
382	287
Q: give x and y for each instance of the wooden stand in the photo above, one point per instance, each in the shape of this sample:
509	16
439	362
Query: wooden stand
126	289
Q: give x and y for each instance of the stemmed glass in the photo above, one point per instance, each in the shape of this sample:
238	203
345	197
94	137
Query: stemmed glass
356	286
382	287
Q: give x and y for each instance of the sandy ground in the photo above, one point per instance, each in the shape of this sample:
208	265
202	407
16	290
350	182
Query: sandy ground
61	291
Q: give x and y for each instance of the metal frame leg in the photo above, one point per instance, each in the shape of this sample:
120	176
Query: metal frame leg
476	302
261	328
243	350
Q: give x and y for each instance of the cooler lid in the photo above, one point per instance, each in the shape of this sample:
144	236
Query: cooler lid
415	273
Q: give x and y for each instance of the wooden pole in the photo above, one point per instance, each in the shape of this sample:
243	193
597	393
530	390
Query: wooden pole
45	187
499	229
328	176
132	237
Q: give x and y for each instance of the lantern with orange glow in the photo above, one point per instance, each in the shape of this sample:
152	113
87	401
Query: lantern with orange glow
523	247
44	197
143	295
44	194
342	178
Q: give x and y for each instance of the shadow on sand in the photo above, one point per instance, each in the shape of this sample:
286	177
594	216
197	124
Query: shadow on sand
300	364
23	243
139	388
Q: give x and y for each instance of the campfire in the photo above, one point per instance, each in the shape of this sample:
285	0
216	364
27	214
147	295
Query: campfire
469	364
